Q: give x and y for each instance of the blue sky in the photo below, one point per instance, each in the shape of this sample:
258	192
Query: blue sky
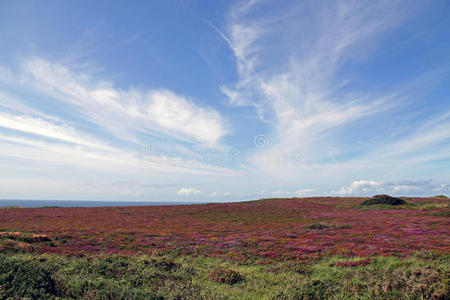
223	100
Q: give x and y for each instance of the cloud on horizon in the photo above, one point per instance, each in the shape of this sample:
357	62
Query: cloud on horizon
188	191
399	188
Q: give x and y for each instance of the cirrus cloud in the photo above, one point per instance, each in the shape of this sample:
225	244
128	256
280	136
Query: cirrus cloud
126	113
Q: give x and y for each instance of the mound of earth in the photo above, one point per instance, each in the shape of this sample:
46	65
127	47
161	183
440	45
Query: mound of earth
384	199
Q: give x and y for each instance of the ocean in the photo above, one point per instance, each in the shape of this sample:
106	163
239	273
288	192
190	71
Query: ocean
82	203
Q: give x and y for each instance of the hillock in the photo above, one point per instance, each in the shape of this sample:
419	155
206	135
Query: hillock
385	200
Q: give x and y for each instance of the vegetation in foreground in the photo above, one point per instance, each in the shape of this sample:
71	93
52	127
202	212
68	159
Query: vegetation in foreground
424	276
311	248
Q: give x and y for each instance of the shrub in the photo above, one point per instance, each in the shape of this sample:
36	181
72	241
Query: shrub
11	246
420	282
226	276
445	213
102	288
363	262
24	278
312	289
36	238
320	226
165	265
25	237
384	199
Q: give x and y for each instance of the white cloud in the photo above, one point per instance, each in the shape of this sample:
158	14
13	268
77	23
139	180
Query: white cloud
302	192
33	142
289	67
360	187
405	188
188	191
219	194
47	129
127	112
181	115
312	48
32	151
281	193
215	194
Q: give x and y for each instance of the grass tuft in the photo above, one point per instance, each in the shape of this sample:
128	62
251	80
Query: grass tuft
226	276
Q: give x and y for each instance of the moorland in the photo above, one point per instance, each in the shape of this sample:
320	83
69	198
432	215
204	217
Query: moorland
296	248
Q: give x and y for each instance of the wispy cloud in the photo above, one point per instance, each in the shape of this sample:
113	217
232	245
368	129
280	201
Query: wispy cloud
47	129
301	90
297	68
125	113
90	108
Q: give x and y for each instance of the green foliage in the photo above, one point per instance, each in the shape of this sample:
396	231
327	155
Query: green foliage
24	278
226	276
441	197
444	213
322	225
384	199
122	277
424	276
386	278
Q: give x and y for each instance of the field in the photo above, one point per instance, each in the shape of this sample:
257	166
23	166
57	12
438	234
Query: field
306	248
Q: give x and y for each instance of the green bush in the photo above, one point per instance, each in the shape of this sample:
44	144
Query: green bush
384	199
424	276
385	278
124	277
24	278
101	288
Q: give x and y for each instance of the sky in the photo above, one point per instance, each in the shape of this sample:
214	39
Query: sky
189	100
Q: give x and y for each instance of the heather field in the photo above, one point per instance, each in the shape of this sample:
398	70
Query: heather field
305	248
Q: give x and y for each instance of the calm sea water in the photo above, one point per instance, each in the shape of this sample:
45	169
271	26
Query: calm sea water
71	203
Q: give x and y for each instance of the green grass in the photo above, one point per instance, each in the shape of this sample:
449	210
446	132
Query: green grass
188	277
386	206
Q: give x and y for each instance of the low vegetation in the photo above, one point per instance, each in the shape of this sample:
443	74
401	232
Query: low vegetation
384	200
304	248
167	277
322	225
226	276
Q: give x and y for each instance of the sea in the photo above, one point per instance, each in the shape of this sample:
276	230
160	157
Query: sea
82	203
